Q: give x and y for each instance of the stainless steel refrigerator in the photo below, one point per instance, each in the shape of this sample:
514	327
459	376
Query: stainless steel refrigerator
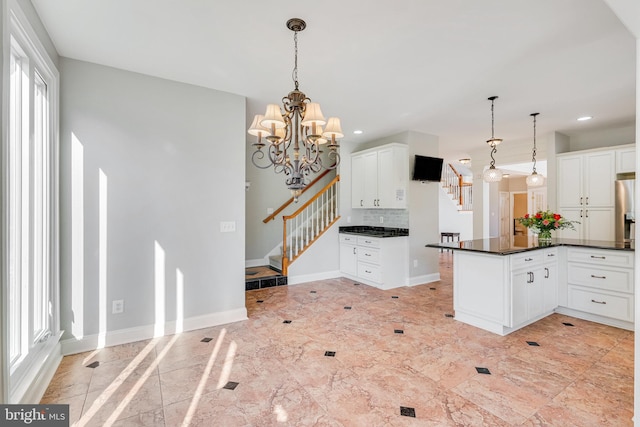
625	211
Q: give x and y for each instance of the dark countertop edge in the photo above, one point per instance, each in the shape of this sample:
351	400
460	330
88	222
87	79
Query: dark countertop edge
371	231
511	251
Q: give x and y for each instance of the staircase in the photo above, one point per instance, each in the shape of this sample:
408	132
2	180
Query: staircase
459	191
302	228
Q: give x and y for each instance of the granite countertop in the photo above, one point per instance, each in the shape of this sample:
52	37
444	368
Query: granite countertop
500	246
366	230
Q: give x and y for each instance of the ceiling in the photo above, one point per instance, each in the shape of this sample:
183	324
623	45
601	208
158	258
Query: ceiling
382	67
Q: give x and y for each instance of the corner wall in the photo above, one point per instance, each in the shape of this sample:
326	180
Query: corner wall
146	178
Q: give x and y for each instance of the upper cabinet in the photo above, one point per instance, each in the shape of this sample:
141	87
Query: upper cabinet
626	160
586	193
379	177
586	180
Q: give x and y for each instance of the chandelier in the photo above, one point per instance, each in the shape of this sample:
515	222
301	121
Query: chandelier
294	138
492	174
534	180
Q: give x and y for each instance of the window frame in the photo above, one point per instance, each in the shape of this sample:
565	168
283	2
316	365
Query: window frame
20	40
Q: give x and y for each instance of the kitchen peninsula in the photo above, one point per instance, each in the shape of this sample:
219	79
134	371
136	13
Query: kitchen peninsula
501	288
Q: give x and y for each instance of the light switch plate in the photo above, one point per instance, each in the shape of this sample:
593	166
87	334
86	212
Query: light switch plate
227	226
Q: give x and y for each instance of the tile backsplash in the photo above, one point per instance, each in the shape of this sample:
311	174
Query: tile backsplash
398	218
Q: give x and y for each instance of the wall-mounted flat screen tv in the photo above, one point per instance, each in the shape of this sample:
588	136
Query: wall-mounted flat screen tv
427	168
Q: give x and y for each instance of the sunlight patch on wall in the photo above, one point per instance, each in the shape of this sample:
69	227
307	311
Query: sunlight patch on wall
77	237
179	301
158	329
102	258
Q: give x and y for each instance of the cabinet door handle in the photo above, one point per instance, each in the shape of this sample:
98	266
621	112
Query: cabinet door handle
598	302
587	200
598	277
362	201
580	213
354	251
598	257
533	277
546	273
580	200
586	213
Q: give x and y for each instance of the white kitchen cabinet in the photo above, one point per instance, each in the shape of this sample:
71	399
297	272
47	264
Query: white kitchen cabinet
600	286
380	262
585	193
534	286
379	177
348	254
626	160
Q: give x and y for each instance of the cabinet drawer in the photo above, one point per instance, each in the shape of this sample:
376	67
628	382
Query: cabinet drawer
370	255
613	279
617	306
550	254
371	242
526	259
601	257
370	272
348	238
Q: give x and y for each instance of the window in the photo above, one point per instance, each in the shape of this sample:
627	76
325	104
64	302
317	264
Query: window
30	205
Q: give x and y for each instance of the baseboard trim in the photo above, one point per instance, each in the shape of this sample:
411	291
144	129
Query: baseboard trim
304	278
140	333
630	326
425	278
256	262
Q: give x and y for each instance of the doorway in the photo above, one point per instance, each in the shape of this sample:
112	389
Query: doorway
520	202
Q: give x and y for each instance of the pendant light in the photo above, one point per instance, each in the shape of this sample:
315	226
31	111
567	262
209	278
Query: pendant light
492	174
535	179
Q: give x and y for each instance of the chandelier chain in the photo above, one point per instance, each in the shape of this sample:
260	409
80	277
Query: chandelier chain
295	60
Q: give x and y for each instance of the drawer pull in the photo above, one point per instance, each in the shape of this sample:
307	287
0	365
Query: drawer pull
354	250
598	302
598	277
598	257
367	241
367	271
367	254
546	274
551	254
528	259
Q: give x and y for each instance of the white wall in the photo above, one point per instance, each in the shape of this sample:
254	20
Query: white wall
147	177
452	220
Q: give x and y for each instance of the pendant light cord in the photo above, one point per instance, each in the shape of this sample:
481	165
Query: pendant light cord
534	142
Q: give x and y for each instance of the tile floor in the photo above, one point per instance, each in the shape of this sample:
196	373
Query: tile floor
333	353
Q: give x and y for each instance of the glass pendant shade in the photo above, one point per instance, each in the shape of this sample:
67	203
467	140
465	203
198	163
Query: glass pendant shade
492	174
535	180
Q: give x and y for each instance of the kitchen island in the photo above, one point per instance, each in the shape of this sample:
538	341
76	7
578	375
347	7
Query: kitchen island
501	288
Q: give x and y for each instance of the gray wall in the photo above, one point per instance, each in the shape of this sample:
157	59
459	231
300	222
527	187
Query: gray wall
162	148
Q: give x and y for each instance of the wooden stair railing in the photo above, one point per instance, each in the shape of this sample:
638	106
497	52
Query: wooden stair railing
288	202
308	223
461	191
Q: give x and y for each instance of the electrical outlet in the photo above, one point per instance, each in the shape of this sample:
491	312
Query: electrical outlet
117	306
415	263
381	220
349	219
227	226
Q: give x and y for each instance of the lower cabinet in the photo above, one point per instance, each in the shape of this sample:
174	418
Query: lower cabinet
534	286
379	262
600	285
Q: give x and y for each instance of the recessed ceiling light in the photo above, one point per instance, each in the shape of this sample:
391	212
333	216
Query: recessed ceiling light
357	132
584	119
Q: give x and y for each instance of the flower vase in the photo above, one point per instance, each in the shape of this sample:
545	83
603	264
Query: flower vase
544	236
